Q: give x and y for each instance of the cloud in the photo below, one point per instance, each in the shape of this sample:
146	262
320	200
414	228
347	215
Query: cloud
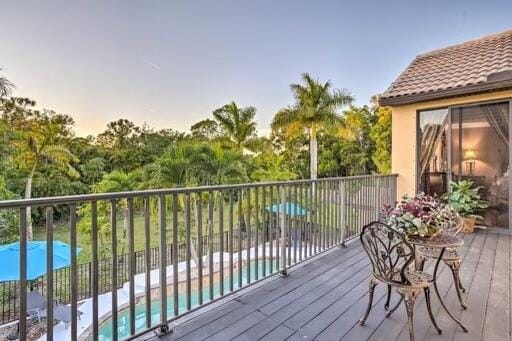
152	64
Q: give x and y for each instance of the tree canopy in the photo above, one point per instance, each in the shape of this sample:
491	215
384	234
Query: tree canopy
40	155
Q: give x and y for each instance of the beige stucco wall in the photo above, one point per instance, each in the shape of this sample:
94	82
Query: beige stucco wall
403	157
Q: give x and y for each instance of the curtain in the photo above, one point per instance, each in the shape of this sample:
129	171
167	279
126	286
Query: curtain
498	118
430	139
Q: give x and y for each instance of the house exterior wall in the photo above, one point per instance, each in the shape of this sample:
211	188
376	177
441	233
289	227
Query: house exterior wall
404	139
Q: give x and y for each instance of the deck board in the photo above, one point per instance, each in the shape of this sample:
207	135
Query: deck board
325	298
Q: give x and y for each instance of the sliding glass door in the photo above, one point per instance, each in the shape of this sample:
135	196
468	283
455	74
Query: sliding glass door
480	153
467	143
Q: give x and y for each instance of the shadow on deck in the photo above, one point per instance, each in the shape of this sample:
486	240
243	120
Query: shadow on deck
324	298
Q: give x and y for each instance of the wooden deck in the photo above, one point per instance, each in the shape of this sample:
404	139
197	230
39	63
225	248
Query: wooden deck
324	299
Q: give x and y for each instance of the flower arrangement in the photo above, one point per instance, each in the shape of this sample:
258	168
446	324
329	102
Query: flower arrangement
423	216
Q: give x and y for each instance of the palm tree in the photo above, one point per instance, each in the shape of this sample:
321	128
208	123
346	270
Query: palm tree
43	143
119	181
315	110
237	125
5	87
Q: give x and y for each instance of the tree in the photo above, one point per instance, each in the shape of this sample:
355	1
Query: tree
5	86
316	110
357	148
272	168
207	129
116	181
237	125
381	136
43	142
9	219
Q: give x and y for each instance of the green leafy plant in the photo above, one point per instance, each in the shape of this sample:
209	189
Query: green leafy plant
465	199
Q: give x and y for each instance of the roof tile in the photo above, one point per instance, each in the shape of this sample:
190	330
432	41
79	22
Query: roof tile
456	66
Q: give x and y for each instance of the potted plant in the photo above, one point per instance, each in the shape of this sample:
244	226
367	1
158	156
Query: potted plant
467	202
423	216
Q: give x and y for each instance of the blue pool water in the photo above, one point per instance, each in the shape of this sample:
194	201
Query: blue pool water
105	331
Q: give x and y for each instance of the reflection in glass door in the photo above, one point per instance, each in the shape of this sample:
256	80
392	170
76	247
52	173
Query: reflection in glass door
433	151
480	153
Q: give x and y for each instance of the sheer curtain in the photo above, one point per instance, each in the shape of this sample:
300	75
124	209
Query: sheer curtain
430	139
498	118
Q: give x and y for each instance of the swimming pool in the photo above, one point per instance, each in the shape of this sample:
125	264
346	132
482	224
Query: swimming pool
105	330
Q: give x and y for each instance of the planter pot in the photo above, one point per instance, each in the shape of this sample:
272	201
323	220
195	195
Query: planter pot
469	224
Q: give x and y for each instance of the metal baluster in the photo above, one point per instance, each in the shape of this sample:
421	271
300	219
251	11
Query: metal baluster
360	213
221	242
175	255
73	279
199	250
49	272
210	244
330	203
271	229
302	230
336	209
370	199
278	229
288	224
265	229
239	232
311	220
294	224
22	318
132	264
162	240
147	236
94	275
316	225
257	226
230	240
364	202
248	230
343	203
188	246
325	216
282	269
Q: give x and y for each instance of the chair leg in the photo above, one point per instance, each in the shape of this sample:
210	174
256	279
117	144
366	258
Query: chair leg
371	288
389	313
386	306
429	309
409	301
455	266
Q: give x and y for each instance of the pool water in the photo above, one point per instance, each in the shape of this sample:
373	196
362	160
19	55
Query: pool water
105	330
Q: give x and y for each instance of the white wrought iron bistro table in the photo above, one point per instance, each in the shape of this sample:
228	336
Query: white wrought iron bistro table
441	241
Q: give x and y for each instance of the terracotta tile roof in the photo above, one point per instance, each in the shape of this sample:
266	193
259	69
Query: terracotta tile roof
460	66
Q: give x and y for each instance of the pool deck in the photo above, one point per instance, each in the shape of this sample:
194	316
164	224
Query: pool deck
324	298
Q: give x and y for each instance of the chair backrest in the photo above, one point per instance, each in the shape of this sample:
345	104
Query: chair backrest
35	301
389	252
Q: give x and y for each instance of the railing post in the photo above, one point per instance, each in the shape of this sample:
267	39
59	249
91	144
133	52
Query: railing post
342	212
282	268
162	240
377	198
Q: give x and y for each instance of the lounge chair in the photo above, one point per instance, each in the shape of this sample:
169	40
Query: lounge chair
62	313
35	304
36	307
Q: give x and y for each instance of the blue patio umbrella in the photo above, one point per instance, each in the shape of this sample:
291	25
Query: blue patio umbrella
291	209
36	259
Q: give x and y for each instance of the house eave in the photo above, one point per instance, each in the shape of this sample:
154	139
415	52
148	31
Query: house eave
468	90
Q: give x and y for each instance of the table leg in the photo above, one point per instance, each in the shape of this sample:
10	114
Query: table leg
439	296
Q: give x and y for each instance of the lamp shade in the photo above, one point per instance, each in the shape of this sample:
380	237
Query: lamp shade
469	154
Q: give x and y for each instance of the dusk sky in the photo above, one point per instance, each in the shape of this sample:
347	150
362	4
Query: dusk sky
170	63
